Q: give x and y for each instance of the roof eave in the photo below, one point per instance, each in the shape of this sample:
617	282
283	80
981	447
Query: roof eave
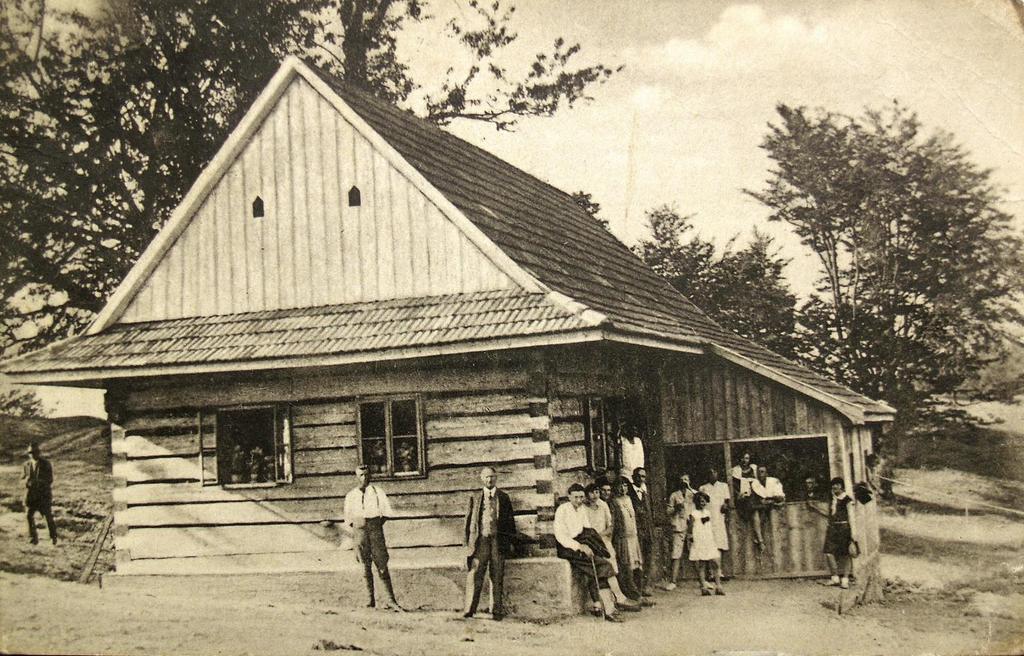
98	377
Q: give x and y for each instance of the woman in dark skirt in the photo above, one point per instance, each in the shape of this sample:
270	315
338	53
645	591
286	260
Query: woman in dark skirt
838	535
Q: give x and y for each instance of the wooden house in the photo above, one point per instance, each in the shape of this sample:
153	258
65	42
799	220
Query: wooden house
346	283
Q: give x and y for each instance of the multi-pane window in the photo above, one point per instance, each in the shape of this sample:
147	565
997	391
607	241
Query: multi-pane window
390	437
252	446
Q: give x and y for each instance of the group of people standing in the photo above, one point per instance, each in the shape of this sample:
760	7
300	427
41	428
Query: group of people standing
606	532
699	531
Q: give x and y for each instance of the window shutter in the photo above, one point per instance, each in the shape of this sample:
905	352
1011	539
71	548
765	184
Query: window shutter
283	443
207	422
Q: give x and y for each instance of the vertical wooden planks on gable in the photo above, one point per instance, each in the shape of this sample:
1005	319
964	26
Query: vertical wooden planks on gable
367	229
453	243
385	234
401	234
247	192
438	255
221	246
268	244
331	276
349	216
301	144
238	218
420	243
318	284
170	287
283	152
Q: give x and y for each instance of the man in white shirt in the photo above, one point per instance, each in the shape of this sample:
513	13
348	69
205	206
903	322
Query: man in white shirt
768	488
577	542
366	510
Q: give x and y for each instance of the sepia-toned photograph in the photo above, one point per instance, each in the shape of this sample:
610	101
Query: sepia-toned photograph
461	327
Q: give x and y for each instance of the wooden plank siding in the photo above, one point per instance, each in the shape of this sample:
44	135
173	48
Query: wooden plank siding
310	247
163	511
706	401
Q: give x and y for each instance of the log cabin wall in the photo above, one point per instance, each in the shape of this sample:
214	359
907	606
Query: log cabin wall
168	505
597	371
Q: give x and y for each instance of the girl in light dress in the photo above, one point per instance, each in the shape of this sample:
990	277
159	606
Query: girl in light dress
703	548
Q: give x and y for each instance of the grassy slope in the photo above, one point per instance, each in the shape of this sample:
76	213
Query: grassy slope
78	448
938	540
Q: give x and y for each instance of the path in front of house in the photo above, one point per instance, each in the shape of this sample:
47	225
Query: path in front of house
42	615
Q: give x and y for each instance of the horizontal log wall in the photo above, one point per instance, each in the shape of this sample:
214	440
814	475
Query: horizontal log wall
163	511
568	443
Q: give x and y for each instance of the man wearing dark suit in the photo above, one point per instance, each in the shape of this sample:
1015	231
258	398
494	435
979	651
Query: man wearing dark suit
641	499
489	531
37	475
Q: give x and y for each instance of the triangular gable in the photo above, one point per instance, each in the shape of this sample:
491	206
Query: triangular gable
300	150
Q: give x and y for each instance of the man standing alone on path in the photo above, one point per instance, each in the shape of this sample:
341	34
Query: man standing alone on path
37	475
489	530
366	510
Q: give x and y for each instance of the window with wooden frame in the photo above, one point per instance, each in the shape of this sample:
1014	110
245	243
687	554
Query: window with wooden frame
253	447
605	421
601	450
391	441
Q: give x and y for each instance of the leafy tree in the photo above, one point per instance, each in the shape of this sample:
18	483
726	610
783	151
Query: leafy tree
363	48
20	403
744	290
919	265
107	120
586	202
751	295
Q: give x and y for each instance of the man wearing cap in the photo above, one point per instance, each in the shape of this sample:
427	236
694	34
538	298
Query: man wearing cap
37	475
488	533
366	510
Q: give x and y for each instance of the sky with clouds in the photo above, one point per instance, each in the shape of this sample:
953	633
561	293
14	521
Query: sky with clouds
682	121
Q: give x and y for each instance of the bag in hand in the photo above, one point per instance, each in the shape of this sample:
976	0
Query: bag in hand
854	549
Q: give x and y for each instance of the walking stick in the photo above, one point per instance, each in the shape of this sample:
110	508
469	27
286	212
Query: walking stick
593	568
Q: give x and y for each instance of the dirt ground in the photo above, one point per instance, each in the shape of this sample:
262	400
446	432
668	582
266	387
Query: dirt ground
44	615
955	586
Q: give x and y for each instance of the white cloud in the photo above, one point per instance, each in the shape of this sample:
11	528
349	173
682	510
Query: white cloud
745	37
649	96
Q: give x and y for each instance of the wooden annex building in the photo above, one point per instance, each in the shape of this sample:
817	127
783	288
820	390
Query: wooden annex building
346	283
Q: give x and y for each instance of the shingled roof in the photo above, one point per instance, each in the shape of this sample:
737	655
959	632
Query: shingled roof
309	332
547	233
537	225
